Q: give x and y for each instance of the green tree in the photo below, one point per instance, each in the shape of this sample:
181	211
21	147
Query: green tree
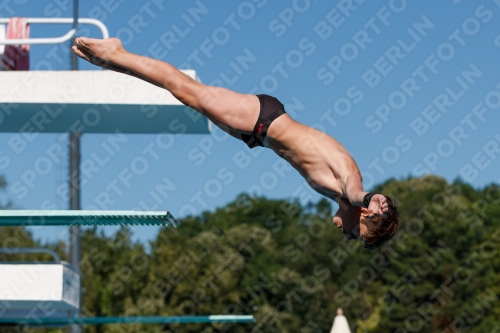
289	266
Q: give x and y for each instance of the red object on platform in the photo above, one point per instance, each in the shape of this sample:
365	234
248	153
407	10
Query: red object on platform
17	57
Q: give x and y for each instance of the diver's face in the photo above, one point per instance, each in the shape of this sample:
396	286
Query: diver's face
350	223
351	230
353	233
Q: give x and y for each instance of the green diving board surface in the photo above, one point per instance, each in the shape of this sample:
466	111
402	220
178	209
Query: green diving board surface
98	101
84	217
30	321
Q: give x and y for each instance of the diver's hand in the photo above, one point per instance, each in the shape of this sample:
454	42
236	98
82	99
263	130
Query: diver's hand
378	205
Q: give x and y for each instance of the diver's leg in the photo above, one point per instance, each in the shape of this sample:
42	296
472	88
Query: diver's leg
238	112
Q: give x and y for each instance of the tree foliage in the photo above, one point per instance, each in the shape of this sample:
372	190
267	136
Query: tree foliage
289	266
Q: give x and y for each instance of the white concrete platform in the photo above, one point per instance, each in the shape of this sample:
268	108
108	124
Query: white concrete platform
99	101
37	287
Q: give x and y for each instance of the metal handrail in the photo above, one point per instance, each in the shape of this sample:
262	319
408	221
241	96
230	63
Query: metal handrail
97	23
56	40
56	257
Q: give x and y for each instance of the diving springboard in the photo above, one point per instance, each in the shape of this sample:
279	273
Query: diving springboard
40	321
99	101
84	217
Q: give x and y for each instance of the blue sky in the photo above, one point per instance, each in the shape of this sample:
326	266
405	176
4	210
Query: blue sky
409	87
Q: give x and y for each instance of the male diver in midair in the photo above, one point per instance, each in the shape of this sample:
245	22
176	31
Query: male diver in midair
260	120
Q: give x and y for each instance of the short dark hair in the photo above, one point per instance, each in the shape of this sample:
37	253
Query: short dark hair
381	228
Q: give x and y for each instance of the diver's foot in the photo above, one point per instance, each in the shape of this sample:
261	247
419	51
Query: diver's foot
98	51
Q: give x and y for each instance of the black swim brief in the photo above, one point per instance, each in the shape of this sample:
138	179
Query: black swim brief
270	109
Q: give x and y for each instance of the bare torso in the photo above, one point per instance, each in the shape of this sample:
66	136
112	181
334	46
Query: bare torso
319	158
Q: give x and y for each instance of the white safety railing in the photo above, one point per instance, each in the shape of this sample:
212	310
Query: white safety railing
54	255
68	36
55	40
